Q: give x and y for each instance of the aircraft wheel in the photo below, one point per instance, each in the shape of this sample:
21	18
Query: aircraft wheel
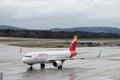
59	67
31	67
42	66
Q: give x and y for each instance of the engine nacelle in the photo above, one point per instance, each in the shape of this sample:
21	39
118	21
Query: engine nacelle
57	63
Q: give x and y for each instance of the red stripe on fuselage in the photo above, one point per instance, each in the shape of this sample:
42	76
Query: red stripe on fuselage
43	54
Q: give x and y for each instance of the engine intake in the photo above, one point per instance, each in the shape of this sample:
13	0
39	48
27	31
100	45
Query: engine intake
57	63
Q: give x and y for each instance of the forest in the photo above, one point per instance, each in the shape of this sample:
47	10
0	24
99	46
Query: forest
54	34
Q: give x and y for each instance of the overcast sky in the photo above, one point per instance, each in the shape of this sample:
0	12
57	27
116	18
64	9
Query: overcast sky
46	14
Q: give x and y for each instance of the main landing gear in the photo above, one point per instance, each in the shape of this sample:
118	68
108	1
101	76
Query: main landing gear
59	67
42	66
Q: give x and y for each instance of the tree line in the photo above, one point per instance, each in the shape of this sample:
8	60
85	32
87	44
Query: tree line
52	34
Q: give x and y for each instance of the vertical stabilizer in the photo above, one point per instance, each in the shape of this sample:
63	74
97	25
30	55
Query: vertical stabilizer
73	44
72	48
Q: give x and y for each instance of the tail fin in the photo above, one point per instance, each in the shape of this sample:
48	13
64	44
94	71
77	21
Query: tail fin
73	44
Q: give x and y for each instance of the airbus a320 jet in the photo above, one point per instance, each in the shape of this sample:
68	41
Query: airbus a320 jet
57	58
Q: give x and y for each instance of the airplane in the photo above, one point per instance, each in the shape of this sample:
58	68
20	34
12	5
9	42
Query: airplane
57	58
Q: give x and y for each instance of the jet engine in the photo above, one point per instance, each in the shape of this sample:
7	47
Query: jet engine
57	63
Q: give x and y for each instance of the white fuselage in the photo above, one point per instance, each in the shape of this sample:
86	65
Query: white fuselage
45	57
55	57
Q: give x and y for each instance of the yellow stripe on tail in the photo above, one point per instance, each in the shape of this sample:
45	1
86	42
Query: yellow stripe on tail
75	37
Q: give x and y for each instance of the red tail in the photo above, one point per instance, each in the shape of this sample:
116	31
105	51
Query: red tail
72	48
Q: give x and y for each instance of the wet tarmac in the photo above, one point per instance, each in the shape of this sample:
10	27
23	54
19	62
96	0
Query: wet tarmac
107	67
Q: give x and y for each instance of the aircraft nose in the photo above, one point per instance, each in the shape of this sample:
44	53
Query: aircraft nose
27	60
24	60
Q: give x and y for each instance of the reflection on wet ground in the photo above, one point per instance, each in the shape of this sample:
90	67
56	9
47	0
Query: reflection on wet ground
49	74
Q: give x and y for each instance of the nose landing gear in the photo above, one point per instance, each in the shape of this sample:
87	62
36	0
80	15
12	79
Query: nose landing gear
31	68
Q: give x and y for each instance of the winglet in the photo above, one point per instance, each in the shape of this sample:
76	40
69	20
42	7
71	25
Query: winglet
99	54
21	50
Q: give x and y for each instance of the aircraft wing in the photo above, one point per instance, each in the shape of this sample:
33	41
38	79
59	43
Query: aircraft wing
55	59
99	54
82	52
52	59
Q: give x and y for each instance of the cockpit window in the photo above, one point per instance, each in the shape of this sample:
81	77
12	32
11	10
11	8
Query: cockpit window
28	56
